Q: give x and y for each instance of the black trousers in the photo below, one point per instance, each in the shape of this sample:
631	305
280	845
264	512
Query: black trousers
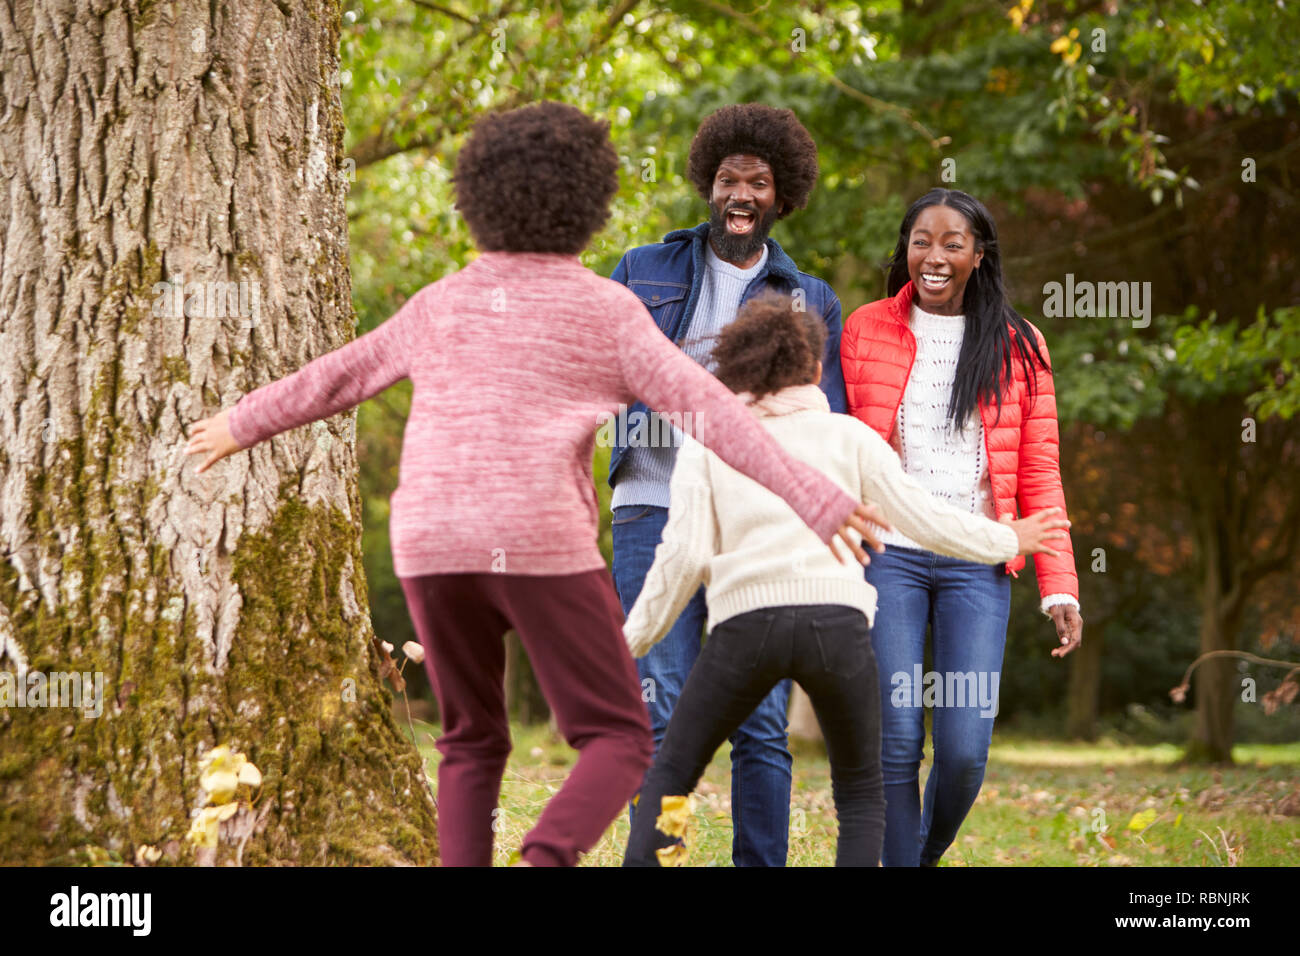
827	649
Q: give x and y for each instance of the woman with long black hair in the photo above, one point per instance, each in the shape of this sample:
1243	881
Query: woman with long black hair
961	386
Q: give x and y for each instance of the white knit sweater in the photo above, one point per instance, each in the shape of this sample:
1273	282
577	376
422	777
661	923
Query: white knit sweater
949	463
751	550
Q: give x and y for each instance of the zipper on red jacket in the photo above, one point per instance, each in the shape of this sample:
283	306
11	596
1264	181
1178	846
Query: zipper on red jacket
1006	568
904	320
988	456
893	421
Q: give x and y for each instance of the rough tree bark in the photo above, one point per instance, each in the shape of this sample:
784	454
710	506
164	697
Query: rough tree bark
145	143
1223	593
1246	522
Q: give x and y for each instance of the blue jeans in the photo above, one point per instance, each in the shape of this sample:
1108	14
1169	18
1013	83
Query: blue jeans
827	649
966	606
760	754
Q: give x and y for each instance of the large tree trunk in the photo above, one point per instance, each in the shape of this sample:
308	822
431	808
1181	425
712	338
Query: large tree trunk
1215	679
1083	691
1219	502
194	142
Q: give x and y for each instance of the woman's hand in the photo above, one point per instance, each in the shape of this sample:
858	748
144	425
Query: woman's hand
1034	531
1069	627
862	520
212	437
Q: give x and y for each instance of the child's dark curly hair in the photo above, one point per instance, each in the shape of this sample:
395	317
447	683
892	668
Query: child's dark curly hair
536	179
776	136
769	347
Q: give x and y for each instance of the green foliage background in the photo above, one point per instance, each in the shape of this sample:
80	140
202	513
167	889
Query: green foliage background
1111	140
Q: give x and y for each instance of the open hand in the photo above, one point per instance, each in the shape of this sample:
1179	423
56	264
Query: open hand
1033	532
862	521
212	437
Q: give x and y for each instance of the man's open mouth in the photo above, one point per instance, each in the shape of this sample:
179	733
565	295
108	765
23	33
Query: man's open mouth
740	221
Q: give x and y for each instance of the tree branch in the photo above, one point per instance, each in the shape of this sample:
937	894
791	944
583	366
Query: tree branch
378	148
601	37
447	11
1179	693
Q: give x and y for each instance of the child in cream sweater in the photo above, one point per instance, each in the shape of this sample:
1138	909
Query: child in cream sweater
779	605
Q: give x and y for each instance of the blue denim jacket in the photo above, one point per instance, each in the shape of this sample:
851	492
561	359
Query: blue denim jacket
666	277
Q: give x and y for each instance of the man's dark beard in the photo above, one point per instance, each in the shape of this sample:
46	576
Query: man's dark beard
738	249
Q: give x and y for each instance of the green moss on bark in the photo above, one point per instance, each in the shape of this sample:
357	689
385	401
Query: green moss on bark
128	288
345	786
116	779
342	772
342	782
177	368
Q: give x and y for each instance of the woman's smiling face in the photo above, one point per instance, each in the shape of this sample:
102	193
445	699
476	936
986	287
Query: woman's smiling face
941	255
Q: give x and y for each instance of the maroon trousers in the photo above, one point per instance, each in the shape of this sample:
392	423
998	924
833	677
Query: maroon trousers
572	628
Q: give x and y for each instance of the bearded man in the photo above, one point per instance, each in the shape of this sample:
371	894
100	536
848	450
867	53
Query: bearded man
753	165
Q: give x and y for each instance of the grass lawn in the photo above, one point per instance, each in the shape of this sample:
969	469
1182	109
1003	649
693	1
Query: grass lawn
1043	803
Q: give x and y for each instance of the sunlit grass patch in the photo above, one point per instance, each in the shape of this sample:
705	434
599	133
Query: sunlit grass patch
1043	803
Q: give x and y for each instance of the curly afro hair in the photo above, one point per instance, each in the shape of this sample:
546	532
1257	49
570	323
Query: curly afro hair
776	136
770	346
536	179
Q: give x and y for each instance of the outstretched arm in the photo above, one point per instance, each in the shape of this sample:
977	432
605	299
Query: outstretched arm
327	385
938	526
682	558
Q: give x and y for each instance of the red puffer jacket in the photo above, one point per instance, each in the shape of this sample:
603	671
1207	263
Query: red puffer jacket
1023	447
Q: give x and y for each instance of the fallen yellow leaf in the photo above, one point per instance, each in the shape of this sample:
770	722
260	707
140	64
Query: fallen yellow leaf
676	819
677	813
674	855
204	828
221	772
1142	820
250	775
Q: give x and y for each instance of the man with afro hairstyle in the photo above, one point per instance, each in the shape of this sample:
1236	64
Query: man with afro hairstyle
752	164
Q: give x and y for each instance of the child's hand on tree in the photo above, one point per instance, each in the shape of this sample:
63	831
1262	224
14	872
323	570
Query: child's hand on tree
1034	531
212	437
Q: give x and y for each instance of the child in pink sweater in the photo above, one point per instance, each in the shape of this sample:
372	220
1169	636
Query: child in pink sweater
515	361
